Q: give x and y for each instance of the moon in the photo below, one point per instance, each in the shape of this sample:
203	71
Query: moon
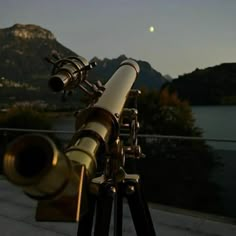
151	29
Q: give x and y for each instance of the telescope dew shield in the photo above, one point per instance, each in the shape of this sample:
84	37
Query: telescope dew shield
34	163
31	161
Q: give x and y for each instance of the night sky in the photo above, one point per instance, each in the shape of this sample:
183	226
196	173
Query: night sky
188	34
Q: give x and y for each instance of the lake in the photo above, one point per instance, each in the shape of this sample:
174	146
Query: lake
218	122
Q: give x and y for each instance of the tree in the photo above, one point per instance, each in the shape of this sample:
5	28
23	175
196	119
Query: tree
175	172
22	117
25	117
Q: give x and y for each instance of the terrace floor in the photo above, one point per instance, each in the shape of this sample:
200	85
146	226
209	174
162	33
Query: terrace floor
17	218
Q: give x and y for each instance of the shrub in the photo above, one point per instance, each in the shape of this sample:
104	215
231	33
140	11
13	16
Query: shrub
22	117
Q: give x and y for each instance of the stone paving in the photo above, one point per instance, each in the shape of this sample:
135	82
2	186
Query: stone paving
17	218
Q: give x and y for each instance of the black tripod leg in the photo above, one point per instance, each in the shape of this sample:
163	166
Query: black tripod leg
103	214
86	223
139	211
118	213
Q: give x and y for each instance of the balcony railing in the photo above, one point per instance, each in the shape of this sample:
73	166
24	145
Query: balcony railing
156	146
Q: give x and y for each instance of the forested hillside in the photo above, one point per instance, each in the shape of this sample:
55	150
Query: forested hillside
211	86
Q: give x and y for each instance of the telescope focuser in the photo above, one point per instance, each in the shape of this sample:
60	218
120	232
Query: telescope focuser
72	72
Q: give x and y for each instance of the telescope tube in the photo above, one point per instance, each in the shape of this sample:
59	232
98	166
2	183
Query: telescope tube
34	163
102	125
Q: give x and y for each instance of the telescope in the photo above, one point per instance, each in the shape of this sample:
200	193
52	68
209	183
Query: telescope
66	183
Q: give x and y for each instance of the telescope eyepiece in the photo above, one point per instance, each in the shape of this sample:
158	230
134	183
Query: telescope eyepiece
31	161
57	83
68	73
29	157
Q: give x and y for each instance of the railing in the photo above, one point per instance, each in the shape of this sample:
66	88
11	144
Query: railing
165	155
4	131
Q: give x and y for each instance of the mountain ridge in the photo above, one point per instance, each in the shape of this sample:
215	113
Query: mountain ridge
28	31
23	67
213	85
106	67
24	48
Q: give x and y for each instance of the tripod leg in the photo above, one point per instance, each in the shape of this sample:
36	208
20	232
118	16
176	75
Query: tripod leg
103	214
118	213
139	210
86	223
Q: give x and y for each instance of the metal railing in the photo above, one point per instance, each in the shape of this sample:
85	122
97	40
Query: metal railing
149	136
225	177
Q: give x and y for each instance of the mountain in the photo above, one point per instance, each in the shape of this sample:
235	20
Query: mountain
147	78
168	77
24	47
210	86
22	52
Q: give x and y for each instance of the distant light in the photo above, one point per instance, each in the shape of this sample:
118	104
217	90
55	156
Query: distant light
151	29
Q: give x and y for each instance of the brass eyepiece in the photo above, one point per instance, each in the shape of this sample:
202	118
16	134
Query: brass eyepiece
33	162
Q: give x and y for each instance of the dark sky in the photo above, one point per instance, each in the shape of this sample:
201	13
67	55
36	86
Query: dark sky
188	33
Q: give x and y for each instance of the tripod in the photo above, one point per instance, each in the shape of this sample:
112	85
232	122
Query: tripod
115	185
113	193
